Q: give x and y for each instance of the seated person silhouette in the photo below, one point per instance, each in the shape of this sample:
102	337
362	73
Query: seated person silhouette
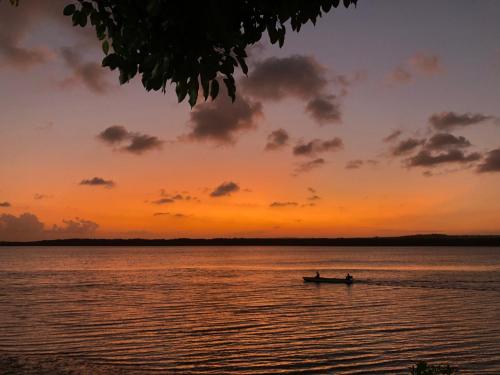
349	277
317	275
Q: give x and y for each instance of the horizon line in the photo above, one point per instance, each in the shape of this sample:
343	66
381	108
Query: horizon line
432	239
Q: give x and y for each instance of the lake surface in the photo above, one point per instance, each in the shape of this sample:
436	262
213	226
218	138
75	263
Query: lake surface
245	310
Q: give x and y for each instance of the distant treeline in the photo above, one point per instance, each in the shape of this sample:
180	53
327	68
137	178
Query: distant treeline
414	240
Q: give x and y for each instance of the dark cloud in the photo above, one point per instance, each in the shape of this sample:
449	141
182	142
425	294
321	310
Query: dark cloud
444	141
277	139
90	74
41	196
15	26
406	146
98	181
77	228
22	58
300	77
354	164
450	120
24	227
317	146
314	198
221	120
308	205
5	204
178	196
424	158
426	64
164	201
276	78
283	204
311	190
226	188
358	163
491	162
393	136
170	214
138	143
27	227
141	143
18	24
114	134
309	165
324	109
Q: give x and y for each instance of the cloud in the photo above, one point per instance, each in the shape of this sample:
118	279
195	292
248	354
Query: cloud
174	215
276	78
77	228
283	204
164	201
90	74
324	109
138	143
226	188
358	163
317	146
141	143
354	164
491	162
400	75
23	227
303	78
393	136
27	227
98	181
345	82
277	139
22	58
178	197
418	64
15	25
450	120
444	141
406	146
5	204
311	190
114	134
309	165
41	196
426	64
424	158
314	198
221	120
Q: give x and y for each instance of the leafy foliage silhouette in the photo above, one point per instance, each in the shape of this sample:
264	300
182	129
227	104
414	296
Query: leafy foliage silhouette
190	44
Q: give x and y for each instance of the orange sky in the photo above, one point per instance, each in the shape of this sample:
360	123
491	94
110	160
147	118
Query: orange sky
334	173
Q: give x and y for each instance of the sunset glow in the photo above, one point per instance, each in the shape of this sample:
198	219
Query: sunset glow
361	102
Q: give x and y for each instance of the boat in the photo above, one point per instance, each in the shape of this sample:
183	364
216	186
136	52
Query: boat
330	280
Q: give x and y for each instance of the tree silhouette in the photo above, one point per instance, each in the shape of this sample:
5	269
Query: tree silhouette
189	43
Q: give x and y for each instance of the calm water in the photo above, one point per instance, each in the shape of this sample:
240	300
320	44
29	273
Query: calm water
200	310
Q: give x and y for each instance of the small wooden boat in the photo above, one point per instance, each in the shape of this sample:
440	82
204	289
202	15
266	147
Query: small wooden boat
328	280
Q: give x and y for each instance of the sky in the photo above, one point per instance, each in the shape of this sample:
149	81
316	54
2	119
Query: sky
382	119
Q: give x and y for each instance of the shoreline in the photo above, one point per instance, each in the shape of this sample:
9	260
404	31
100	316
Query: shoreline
403	241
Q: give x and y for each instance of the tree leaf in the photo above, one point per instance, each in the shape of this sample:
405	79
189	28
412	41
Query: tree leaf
105	47
69	9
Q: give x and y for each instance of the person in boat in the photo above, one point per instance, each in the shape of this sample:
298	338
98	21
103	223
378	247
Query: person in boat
317	275
349	277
